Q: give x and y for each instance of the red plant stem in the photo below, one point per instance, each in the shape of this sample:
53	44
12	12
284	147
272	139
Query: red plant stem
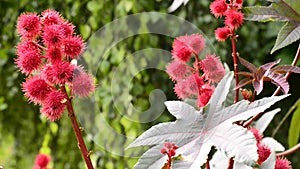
235	64
81	144
230	163
207	164
289	151
169	161
197	62
296	58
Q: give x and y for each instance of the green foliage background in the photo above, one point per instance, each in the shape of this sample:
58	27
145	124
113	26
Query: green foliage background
24	133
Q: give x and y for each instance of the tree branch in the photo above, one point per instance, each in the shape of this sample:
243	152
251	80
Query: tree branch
289	151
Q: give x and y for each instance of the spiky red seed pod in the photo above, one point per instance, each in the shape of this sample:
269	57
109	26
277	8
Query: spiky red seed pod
59	73
82	84
182	53
73	46
51	17
27	46
29	25
196	43
222	33
212	68
42	160
36	89
177	70
206	92
263	153
282	163
234	19
218	8
54	54
184	46
180	90
54	105
68	29
53	35
28	62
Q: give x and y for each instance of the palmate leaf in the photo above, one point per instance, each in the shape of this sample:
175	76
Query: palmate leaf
283	11
194	132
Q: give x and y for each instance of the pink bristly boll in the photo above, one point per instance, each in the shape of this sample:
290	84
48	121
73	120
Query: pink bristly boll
194	83
54	106
234	19
212	68
29	25
206	92
54	54
53	35
36	89
42	160
222	33
181	89
263	153
82	84
239	4
194	43
68	29
27	46
28	62
73	46
177	70
282	163
59	73
51	17
218	8
181	52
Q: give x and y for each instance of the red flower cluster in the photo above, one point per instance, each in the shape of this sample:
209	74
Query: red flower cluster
233	17
42	161
282	163
264	152
189	83
48	44
169	149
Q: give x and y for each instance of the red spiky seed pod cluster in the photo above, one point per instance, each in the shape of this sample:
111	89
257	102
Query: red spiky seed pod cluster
48	44
233	17
195	80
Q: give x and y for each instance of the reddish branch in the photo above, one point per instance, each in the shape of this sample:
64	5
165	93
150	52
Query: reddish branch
235	64
289	151
81	144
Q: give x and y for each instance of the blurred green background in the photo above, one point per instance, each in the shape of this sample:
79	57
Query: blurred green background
24	133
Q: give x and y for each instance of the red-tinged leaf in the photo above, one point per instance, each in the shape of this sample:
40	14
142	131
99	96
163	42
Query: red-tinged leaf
279	81
243	83
248	65
247	74
266	67
258	85
285	69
